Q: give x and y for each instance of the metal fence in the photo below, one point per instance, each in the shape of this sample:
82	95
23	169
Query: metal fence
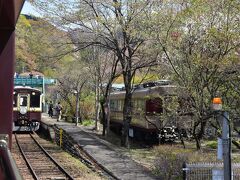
208	171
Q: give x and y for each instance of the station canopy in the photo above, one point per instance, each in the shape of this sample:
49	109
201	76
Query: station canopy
32	79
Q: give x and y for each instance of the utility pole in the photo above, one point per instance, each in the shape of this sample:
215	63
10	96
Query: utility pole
226	143
223	119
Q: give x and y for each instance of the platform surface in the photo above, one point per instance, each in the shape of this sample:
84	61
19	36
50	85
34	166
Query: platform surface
120	165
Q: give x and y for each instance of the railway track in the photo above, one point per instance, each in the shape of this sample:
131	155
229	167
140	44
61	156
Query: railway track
87	159
40	163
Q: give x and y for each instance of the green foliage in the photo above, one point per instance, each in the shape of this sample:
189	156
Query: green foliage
212	144
69	107
88	122
88	106
35	46
49	72
139	78
23	20
25	58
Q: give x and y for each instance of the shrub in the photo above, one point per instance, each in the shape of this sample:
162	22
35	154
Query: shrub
87	106
88	122
169	161
212	144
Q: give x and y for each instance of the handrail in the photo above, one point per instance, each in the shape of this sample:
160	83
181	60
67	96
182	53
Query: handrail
8	167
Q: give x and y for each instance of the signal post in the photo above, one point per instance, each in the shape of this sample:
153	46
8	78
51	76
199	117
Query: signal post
225	147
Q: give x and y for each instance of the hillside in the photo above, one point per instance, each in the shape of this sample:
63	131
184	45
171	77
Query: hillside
37	44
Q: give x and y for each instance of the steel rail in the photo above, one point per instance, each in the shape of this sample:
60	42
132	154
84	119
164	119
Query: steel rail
50	157
26	160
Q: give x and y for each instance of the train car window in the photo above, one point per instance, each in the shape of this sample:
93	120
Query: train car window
154	106
121	104
140	104
23	101
134	105
113	105
116	105
35	99
137	105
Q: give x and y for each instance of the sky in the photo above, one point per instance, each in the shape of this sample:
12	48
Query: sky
29	9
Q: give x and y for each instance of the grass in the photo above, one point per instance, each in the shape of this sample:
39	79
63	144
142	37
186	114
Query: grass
212	144
88	122
77	166
203	155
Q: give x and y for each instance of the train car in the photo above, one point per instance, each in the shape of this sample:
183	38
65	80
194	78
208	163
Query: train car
27	108
149	103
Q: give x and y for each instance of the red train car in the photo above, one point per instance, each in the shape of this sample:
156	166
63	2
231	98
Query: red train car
27	108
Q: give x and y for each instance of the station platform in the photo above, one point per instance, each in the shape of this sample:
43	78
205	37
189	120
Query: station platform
102	151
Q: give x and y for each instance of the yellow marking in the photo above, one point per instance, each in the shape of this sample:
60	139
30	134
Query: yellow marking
60	136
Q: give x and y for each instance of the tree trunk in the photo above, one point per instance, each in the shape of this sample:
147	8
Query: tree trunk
77	109
127	116
105	105
103	118
198	143
80	115
182	140
198	136
107	108
126	123
97	108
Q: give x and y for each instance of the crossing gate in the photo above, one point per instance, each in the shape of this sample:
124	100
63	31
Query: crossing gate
208	171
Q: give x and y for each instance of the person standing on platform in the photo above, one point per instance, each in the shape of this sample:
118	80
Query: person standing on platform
50	110
59	111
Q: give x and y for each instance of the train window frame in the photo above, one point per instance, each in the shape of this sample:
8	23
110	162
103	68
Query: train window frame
113	104
116	104
138	105
36	103
120	103
141	103
148	106
21	102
